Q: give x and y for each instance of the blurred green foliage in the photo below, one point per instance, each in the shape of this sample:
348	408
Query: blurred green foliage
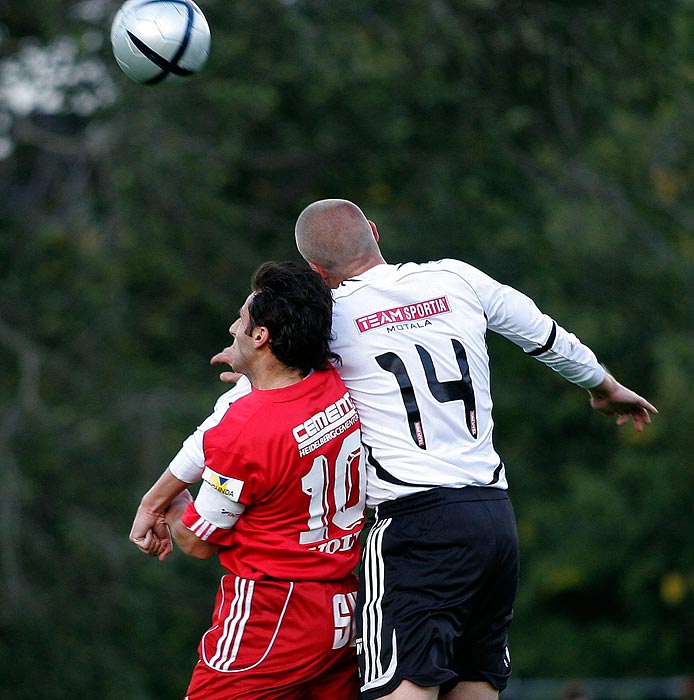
548	142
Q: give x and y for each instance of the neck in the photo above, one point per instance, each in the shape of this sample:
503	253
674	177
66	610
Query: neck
357	269
276	377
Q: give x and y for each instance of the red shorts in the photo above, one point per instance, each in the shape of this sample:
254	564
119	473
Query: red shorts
279	640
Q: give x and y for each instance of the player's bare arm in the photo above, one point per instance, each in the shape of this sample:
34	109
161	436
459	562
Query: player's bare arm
613	399
149	531
188	542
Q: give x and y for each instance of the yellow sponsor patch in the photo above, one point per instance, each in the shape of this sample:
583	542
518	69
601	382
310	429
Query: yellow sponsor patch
226	485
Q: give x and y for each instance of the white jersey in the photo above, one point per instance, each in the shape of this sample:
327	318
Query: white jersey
414	358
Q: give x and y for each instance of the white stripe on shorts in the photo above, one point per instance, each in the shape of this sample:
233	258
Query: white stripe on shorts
234	625
226	648
372	613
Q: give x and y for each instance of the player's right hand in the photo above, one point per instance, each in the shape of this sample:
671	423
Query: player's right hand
151	535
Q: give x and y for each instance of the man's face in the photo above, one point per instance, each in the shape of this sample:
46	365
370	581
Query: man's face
242	349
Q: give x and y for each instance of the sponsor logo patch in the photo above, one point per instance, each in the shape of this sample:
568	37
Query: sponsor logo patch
226	485
325	425
401	314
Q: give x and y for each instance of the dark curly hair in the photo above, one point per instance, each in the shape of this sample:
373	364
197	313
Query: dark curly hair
295	304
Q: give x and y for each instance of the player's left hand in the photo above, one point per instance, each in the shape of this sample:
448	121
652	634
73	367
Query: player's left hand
225	357
613	399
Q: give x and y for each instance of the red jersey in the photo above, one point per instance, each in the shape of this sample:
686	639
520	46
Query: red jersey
291	460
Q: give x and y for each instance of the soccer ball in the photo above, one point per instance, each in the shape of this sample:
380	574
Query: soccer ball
157	40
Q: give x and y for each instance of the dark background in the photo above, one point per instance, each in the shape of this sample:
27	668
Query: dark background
548	142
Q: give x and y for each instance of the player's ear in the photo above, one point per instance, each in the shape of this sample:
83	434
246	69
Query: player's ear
319	270
261	336
374	229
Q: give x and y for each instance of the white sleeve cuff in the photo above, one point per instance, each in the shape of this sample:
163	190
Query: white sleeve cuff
573	360
188	464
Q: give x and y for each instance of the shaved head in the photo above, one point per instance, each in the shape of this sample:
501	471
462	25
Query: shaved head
334	235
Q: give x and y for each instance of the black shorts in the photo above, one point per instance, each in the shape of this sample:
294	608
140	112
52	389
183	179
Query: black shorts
438	580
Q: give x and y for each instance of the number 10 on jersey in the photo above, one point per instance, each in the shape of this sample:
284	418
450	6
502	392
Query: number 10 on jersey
337	496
